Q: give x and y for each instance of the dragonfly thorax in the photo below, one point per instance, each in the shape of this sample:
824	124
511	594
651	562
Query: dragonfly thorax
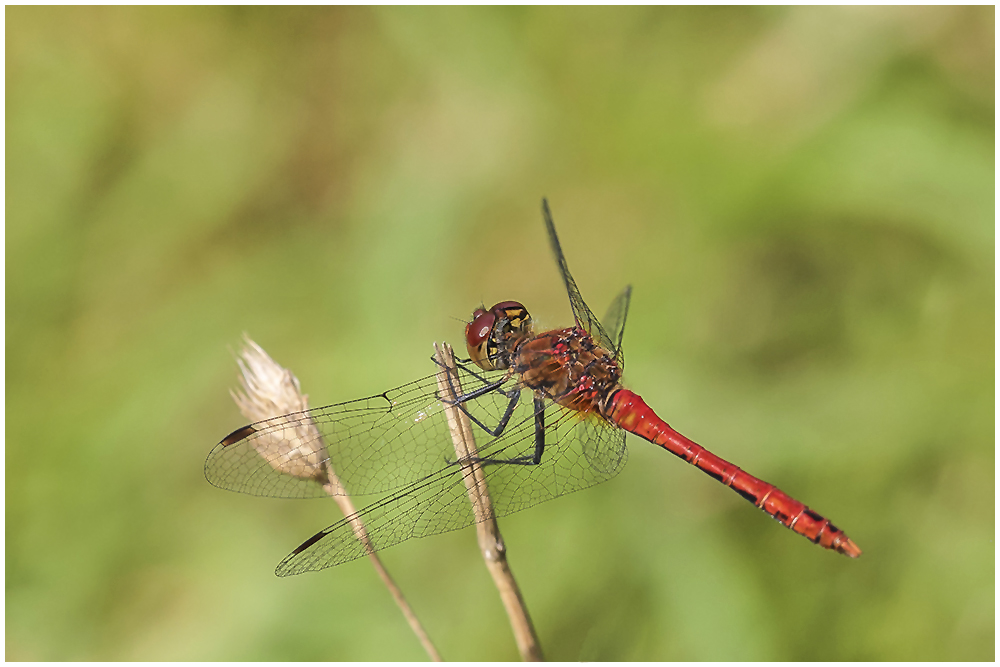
493	335
569	367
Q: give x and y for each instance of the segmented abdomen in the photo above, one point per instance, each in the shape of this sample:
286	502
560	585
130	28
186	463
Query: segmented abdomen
630	412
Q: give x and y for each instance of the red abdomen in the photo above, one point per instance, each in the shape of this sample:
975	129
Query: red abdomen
630	412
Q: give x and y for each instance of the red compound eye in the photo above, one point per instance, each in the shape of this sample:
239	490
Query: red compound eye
478	335
478	330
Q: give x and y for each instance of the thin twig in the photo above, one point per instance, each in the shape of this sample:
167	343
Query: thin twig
274	390
335	489
488	533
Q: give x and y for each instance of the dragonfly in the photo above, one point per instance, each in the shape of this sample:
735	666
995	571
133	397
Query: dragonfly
550	414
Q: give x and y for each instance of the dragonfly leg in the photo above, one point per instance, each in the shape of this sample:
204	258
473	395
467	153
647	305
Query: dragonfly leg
459	401
536	457
463	364
476	393
513	395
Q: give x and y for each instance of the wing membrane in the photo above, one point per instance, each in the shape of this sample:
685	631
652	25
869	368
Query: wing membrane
585	318
374	444
614	322
578	453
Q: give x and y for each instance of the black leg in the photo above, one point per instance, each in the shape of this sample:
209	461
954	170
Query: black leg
476	393
536	457
539	430
513	395
462	363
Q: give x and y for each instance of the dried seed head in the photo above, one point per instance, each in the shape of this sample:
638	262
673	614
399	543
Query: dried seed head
296	448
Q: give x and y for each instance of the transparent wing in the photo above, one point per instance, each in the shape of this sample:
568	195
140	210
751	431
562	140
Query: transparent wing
579	452
585	318
614	322
374	444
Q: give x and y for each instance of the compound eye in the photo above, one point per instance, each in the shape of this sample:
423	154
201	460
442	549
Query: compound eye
478	330
515	313
477	337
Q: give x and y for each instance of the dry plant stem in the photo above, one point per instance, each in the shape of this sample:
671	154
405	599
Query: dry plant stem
491	544
335	489
270	390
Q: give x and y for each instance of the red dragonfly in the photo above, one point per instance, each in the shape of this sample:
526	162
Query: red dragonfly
551	416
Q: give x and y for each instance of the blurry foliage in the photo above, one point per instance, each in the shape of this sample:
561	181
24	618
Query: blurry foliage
802	198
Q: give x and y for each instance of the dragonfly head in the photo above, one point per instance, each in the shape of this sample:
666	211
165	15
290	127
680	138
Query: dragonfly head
492	334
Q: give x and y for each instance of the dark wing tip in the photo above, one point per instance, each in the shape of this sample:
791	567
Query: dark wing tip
288	566
308	543
237	435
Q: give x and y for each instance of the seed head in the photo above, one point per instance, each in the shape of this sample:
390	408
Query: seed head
290	443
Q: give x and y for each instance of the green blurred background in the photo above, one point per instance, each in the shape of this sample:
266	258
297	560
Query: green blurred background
803	200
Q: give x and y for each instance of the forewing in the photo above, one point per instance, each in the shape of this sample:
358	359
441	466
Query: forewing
614	322
585	318
579	452
373	445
